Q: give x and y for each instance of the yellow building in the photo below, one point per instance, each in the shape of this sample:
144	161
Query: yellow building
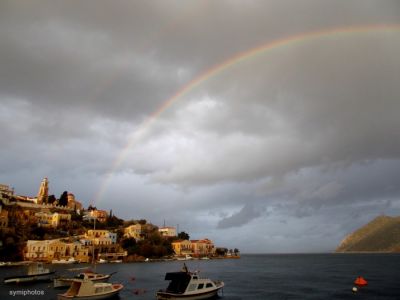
135	231
182	247
203	247
49	250
199	248
54	220
46	250
78	251
101	237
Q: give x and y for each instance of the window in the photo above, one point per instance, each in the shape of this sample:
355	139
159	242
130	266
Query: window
192	287
201	285
208	285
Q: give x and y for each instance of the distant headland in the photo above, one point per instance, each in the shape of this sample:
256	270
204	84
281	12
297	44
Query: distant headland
380	235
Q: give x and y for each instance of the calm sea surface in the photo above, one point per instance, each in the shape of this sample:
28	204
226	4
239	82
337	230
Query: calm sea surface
294	276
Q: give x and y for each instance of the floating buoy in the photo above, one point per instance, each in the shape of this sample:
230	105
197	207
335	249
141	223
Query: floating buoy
354	289
139	291
360	281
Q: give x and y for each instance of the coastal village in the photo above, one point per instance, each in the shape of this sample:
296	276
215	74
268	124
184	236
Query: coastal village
46	229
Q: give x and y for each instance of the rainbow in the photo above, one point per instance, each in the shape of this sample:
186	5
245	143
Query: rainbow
218	68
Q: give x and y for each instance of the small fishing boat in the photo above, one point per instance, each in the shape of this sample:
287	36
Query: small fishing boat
68	261
85	289
36	272
186	257
188	285
61	282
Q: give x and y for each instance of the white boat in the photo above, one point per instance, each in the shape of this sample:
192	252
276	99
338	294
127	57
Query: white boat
102	261
186	257
84	289
61	282
70	260
188	285
36	272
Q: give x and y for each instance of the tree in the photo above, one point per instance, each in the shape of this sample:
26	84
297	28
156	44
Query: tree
129	244
113	221
183	236
63	201
51	199
90	207
221	251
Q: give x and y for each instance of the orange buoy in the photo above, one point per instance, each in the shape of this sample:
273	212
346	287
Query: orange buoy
360	281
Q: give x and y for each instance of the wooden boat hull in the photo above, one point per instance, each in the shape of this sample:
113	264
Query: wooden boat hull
94	297
29	278
197	296
116	289
66	282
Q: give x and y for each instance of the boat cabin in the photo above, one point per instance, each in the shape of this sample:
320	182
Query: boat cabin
186	282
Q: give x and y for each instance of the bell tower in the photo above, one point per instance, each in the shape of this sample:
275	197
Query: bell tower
43	193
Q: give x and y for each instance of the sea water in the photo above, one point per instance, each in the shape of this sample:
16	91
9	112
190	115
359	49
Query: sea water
285	276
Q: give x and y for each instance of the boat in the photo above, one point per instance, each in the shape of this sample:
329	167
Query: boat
36	272
102	261
70	260
186	257
85	289
61	282
189	285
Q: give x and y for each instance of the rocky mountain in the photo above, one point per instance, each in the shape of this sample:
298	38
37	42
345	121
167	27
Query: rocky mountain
380	235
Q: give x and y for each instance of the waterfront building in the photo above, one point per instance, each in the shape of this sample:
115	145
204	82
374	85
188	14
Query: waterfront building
182	247
199	248
204	247
48	250
78	251
167	231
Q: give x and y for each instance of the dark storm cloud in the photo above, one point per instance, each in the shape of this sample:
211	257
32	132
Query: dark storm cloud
245	215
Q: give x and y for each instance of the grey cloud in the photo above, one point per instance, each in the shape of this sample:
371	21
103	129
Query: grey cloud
245	215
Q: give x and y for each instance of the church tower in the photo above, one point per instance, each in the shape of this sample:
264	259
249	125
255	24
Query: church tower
43	193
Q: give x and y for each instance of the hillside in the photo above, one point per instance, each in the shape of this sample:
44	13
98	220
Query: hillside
380	235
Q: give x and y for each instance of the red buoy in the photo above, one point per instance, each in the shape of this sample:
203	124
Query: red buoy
360	281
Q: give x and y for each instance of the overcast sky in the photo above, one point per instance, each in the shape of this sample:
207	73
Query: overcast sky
287	150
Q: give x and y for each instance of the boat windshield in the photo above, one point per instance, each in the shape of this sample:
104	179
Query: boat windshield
179	282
